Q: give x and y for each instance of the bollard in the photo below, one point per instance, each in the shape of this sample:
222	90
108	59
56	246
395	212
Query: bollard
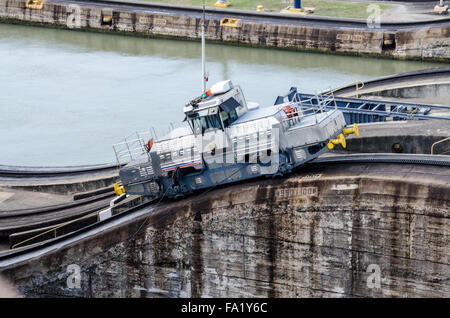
222	3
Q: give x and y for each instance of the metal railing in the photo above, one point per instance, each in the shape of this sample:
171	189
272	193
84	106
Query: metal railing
437	143
359	85
365	110
65	224
132	147
309	107
54	229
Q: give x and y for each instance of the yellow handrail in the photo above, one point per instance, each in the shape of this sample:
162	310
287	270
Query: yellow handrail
357	87
55	228
438	142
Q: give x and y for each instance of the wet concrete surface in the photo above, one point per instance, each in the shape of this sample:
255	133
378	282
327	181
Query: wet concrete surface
14	199
26	193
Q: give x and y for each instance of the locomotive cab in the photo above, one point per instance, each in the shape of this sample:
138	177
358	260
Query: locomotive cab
216	109
210	115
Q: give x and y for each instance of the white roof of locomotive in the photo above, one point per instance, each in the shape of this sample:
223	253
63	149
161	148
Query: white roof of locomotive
177	132
258	113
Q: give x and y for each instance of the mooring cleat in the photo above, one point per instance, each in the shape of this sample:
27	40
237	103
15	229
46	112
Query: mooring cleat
222	4
339	140
353	130
118	189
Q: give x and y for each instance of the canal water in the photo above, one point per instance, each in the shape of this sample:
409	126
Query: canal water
67	96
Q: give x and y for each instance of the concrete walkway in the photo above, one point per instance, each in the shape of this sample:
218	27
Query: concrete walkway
406	11
415	12
399	11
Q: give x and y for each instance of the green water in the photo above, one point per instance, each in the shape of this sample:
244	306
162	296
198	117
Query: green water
67	96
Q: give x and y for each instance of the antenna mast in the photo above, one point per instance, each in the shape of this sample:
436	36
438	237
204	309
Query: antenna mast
203	51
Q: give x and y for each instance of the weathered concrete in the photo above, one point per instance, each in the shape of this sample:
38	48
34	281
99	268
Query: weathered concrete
7	290
314	234
424	43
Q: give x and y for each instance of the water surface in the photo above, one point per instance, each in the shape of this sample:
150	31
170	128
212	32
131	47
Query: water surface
67	96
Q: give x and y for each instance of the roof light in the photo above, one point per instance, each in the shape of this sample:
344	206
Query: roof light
206	94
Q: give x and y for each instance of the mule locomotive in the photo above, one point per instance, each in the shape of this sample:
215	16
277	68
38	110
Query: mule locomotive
224	139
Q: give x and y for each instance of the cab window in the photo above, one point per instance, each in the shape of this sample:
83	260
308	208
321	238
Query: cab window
228	117
202	124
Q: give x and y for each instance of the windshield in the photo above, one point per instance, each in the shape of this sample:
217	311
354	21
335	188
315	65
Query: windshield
202	124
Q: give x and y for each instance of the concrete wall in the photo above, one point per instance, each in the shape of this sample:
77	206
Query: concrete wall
425	43
319	233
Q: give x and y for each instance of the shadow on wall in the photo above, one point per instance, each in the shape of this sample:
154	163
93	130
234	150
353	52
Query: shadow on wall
7	290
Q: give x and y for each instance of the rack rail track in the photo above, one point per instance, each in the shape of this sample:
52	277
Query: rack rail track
415	159
53	208
8	254
29	219
49	172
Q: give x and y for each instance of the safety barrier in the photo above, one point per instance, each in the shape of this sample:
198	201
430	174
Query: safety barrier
437	143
